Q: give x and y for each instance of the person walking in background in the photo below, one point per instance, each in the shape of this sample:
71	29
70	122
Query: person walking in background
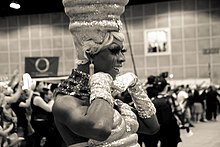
85	112
185	103
212	103
203	96
197	104
169	133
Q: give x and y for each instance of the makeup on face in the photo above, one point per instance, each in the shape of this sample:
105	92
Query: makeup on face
116	47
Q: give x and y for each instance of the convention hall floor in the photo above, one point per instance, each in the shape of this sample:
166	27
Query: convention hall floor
204	135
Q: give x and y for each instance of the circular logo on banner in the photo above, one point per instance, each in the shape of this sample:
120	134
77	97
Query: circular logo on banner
42	65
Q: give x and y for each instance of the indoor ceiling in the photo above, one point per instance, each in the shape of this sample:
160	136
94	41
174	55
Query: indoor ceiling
46	6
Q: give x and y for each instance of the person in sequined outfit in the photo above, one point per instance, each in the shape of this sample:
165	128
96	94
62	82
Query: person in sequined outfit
85	112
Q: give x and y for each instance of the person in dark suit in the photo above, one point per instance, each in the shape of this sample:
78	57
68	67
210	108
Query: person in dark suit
169	133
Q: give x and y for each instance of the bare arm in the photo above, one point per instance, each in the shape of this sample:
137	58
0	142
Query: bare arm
10	115
28	100
96	120
5	132
15	96
38	101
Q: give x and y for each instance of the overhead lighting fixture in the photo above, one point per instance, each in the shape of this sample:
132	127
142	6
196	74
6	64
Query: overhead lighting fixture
15	5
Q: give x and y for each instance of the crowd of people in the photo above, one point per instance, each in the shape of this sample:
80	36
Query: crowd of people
26	113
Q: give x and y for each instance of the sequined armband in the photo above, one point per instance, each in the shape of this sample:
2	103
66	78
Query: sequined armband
100	87
142	103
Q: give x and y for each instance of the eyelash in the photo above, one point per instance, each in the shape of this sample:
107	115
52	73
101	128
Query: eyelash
124	50
117	51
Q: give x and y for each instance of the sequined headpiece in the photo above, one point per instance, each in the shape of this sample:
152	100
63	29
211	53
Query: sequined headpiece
92	21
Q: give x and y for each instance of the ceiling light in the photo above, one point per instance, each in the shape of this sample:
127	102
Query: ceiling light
15	5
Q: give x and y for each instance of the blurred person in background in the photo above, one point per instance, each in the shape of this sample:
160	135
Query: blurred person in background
185	104
169	133
8	119
212	103
21	106
203	96
41	107
196	103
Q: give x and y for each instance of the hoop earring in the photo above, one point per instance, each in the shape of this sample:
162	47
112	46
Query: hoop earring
91	68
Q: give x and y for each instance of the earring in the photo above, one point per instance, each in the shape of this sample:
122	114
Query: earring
91	68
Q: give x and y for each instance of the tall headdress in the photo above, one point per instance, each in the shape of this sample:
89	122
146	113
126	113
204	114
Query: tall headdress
92	22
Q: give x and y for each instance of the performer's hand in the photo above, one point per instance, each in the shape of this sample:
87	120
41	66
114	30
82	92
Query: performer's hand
101	78
122	82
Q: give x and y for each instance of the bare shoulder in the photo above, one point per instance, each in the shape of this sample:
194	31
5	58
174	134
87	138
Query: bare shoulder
64	106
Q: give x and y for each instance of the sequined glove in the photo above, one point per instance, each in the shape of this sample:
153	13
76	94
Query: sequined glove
122	82
100	87
142	103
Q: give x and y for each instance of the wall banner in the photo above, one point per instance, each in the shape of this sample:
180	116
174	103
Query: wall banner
41	66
